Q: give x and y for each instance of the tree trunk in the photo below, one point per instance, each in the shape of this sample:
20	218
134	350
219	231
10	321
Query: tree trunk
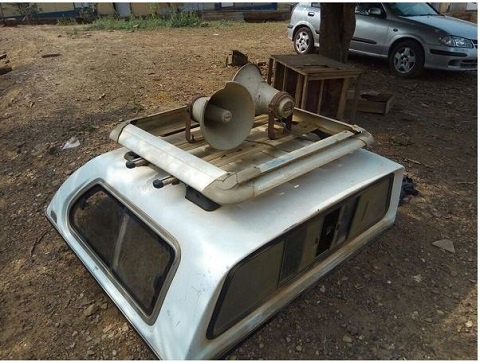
336	31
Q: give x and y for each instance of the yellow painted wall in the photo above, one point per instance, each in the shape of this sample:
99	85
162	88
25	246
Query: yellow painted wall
137	9
54	7
8	10
443	7
142	9
105	9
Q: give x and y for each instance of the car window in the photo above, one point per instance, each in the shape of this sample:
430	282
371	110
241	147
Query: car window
315	5
364	8
412	9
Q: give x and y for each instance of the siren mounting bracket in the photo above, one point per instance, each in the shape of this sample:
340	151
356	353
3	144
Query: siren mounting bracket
188	121
271	115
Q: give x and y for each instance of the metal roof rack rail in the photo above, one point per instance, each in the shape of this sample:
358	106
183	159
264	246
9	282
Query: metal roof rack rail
255	166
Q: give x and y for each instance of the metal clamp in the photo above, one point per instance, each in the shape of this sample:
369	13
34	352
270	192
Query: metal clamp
271	114
188	122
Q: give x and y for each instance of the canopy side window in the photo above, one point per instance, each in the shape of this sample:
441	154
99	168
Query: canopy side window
134	255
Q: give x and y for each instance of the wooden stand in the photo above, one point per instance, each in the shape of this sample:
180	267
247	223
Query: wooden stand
372	102
306	78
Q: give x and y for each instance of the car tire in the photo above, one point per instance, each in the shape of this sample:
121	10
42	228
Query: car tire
303	41
407	59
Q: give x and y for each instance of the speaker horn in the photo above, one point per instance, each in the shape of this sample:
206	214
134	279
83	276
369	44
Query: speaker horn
225	118
266	98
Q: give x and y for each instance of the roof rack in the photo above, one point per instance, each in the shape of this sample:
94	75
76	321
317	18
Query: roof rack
254	167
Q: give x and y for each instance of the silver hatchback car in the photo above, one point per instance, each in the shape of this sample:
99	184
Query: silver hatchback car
412	36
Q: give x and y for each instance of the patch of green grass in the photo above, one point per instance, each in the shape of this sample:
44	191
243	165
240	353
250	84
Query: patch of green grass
66	21
172	20
224	23
183	19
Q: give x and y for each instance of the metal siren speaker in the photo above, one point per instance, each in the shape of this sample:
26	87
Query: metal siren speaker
266	98
226	117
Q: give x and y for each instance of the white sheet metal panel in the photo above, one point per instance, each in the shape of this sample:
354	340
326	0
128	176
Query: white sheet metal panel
212	242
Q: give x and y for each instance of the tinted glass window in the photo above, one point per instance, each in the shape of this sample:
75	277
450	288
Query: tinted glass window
364	8
293	252
372	205
258	277
138	257
412	9
252	282
98	217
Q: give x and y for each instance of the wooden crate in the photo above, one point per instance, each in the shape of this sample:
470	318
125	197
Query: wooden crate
306	78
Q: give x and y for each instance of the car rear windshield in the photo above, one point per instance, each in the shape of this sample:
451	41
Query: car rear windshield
136	257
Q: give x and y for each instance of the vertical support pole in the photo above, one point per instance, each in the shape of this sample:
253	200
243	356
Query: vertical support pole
270	71
285	76
305	92
320	96
278	75
356	96
343	99
299	89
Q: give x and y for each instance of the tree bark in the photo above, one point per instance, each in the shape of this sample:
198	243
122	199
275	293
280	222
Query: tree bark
336	30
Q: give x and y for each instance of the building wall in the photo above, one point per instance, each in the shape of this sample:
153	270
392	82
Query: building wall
465	11
105	9
59	9
138	9
144	9
8	10
197	6
54	7
455	7
45	10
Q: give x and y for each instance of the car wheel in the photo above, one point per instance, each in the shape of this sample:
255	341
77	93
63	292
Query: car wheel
303	41
407	59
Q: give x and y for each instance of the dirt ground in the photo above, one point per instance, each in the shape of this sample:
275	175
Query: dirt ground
402	298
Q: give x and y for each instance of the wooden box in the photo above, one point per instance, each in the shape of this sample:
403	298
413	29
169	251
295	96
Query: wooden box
308	77
372	102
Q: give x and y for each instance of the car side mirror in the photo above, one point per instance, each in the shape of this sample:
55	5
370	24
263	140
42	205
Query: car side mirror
375	12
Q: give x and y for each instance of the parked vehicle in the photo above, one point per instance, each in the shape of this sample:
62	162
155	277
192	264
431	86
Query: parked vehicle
412	36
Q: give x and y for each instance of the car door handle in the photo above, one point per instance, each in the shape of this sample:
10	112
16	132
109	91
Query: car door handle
311	13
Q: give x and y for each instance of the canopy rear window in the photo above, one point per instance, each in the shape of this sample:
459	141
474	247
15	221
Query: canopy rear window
136	257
